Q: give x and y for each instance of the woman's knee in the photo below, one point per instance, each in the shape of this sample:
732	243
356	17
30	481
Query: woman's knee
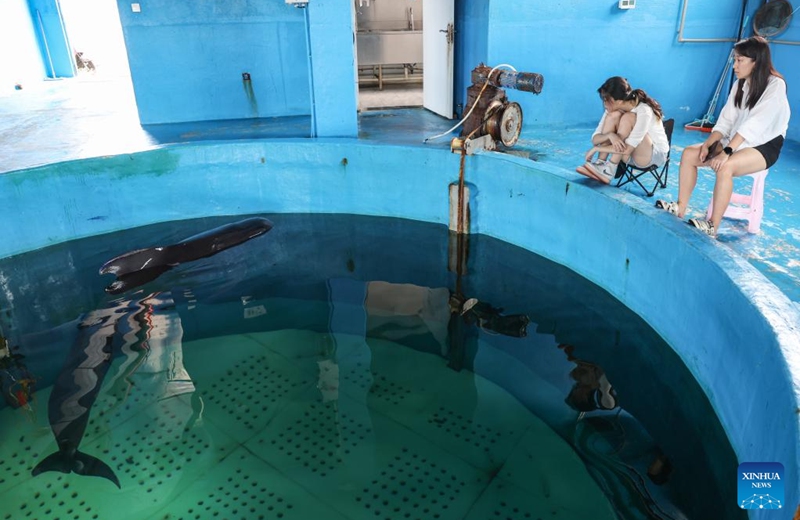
629	118
725	172
613	119
691	155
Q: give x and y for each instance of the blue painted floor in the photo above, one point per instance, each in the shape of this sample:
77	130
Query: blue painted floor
91	116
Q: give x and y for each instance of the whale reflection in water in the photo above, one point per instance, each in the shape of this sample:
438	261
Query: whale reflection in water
78	384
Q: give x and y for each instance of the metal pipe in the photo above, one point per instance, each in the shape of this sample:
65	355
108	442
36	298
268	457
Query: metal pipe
460	222
696	40
524	81
307	26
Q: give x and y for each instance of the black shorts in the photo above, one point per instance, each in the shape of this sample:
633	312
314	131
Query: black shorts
771	150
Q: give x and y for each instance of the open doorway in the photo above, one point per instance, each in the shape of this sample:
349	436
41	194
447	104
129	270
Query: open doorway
389	53
94	32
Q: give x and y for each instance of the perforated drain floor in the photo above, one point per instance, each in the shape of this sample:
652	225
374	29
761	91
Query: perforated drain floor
411	486
243	390
244	487
56	500
401	437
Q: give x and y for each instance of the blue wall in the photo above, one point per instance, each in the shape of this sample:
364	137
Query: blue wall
187	59
472	46
577	45
786	58
54	47
332	33
192	70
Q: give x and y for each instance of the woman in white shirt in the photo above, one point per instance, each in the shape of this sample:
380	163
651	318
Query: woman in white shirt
630	130
747	138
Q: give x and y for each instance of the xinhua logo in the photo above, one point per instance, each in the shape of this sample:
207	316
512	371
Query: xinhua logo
760	485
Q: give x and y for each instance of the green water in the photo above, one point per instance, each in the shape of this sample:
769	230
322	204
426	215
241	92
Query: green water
320	372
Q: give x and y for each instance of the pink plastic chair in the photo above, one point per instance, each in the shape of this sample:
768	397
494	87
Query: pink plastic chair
749	206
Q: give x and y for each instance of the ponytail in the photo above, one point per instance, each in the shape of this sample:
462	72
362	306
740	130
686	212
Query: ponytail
640	96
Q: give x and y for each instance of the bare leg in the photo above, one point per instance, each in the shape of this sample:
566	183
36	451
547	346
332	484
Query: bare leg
643	153
743	162
687	179
626	124
610	125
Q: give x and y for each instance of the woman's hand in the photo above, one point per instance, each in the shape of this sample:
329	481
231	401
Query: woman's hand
705	149
718	161
590	153
616	141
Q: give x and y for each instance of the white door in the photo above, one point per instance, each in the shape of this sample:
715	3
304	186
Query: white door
438	35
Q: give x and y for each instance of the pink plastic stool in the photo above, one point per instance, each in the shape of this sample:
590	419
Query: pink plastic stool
748	207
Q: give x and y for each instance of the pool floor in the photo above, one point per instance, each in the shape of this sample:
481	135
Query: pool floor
264	429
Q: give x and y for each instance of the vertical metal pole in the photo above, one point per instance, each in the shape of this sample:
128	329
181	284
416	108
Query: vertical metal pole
310	75
52	73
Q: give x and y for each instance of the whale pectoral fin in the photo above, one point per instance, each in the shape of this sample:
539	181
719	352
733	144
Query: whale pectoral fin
135	279
137	260
93	467
82	464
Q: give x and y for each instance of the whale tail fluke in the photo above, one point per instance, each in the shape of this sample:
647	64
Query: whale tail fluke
81	463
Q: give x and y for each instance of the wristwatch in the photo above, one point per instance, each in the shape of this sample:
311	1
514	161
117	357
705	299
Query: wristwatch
728	150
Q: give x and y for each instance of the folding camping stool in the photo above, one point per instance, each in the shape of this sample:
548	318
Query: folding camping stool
629	173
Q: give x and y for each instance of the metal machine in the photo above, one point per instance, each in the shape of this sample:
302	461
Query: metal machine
492	118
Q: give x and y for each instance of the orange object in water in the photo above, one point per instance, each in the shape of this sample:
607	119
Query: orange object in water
22	397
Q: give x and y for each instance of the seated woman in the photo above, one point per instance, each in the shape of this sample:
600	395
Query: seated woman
631	130
750	132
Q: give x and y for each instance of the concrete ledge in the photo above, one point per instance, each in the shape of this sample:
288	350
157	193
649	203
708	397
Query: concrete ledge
736	332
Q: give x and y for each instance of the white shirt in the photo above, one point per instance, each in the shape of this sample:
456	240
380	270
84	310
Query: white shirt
764	122
646	124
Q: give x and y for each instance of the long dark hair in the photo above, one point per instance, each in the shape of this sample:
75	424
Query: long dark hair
619	89
757	49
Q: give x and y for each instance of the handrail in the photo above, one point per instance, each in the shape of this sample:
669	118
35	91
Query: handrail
710	40
696	40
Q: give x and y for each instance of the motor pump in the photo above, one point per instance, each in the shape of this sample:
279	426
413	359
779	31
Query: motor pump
494	119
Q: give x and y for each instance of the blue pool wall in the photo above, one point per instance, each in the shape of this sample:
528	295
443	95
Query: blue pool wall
736	332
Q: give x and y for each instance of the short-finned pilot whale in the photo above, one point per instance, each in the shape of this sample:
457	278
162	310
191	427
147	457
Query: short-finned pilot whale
74	393
145	265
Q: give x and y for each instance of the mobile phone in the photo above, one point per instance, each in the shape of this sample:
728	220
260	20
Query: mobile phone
714	149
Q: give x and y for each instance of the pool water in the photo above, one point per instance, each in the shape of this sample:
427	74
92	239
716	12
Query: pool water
337	367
